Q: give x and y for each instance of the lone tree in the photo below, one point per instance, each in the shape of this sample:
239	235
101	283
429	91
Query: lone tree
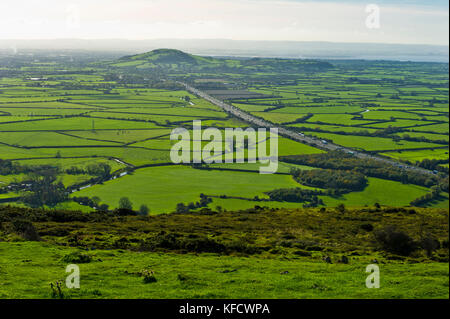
144	210
125	203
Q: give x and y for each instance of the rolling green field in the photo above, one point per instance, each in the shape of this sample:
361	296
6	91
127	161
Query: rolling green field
373	143
441	154
66	116
171	185
116	276
161	188
387	192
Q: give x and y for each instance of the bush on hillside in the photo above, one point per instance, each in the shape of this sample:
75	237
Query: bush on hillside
25	229
394	241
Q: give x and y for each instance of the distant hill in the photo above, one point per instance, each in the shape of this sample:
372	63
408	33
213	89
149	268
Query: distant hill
242	48
176	61
166	56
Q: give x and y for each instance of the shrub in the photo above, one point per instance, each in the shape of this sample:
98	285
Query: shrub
430	244
103	207
56	290
302	253
295	195
174	241
308	245
286	243
203	244
125	212
149	276
77	258
25	229
367	226
341	208
241	247
182	277
181	208
394	241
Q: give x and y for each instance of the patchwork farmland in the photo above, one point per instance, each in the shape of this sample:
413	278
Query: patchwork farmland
120	115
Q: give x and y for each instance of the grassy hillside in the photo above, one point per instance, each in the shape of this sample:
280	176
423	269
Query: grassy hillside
177	61
28	269
256	253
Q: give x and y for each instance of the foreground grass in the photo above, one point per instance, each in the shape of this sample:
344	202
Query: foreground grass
27	268
254	253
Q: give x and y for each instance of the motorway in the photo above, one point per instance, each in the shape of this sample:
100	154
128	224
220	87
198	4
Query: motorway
299	137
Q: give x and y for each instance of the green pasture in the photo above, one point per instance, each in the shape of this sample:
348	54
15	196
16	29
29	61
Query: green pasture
46	139
65	163
413	156
28	268
338	119
161	188
437	128
383	192
122	136
76	123
372	143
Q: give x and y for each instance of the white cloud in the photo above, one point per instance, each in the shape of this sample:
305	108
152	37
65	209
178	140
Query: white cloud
233	19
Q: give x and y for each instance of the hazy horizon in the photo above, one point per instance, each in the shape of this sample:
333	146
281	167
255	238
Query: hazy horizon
350	21
221	39
240	48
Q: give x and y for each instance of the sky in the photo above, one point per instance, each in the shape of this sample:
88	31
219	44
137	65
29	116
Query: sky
376	21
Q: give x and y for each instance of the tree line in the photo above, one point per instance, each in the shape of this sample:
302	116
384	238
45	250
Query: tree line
339	160
344	181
